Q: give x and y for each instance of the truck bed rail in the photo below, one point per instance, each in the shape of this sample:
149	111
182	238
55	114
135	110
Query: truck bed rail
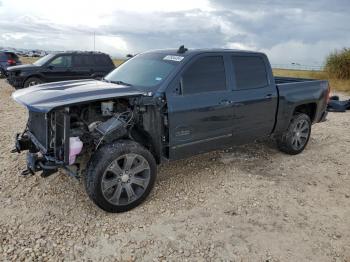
285	80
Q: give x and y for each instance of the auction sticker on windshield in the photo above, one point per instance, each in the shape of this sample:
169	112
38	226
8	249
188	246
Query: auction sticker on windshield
173	58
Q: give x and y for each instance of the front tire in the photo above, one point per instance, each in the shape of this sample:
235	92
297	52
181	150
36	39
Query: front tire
296	137
32	81
120	176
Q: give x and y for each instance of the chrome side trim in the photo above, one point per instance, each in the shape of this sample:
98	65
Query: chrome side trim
201	141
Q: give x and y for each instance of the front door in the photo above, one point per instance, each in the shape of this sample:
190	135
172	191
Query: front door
199	108
59	69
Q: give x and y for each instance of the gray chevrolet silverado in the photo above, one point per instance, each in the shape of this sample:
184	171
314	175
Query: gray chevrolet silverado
159	106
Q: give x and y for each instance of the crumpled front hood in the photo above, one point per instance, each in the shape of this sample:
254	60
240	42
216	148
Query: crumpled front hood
45	97
21	67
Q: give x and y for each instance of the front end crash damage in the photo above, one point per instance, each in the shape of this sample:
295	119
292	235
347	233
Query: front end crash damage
66	137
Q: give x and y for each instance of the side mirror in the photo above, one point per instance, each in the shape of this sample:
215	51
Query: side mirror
50	67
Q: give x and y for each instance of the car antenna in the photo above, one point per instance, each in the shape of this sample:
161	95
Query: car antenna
182	49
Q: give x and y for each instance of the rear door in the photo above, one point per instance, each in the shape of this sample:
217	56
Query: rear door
82	66
199	108
255	97
59	69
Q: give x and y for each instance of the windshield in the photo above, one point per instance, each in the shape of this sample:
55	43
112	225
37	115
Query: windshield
43	60
145	70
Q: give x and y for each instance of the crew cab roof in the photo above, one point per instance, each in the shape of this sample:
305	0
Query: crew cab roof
191	52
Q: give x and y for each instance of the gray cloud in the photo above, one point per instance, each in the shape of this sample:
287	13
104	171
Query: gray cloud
311	5
289	31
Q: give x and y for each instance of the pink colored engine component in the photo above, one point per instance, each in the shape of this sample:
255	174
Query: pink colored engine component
75	147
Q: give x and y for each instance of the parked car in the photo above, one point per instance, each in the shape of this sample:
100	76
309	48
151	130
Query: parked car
161	106
34	53
60	67
7	59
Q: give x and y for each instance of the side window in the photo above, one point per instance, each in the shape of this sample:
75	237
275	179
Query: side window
249	71
62	61
82	61
207	74
100	60
89	60
78	61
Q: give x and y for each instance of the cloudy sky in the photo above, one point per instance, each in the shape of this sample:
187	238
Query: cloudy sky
287	30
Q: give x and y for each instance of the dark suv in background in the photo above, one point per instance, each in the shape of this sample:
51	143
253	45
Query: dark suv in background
61	67
7	59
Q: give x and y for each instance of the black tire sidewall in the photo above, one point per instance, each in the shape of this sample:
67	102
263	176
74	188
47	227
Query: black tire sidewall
285	142
101	159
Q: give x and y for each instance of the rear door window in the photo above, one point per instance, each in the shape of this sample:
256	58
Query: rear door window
89	60
249	71
207	74
83	60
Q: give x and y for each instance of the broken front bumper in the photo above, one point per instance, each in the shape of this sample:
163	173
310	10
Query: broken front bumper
324	117
37	159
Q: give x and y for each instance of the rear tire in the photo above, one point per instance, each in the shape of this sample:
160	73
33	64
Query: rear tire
32	81
296	137
120	176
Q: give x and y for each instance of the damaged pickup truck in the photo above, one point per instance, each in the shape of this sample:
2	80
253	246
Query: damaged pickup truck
159	106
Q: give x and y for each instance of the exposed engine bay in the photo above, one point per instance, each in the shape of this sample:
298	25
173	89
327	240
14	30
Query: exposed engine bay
100	122
68	136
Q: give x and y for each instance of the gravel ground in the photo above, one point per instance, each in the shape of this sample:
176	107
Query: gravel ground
250	203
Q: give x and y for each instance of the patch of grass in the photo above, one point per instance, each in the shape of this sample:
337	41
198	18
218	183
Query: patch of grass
118	62
338	64
28	60
342	85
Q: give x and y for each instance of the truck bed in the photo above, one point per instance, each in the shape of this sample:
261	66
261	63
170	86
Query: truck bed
294	91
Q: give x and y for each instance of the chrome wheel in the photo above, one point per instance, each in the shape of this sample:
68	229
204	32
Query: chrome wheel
126	179
32	83
300	134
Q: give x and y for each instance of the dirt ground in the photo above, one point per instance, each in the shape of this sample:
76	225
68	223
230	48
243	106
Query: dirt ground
250	203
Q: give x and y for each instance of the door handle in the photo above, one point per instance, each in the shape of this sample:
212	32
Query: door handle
268	96
225	102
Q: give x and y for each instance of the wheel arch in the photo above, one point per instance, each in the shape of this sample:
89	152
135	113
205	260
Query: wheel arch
308	109
142	137
34	75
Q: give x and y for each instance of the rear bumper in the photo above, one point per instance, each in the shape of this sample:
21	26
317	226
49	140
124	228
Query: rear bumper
323	117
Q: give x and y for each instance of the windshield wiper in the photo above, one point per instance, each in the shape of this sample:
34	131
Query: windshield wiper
118	82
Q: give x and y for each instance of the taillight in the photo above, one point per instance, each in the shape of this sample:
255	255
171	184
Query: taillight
11	62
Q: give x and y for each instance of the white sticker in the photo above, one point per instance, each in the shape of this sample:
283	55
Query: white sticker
158	78
173	58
